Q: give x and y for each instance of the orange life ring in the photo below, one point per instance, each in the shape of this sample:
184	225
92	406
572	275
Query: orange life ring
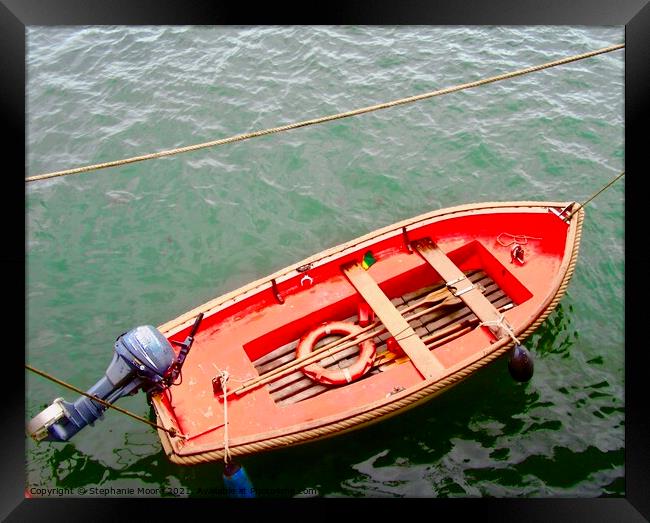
336	375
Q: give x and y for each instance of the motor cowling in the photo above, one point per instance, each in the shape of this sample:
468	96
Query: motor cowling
143	360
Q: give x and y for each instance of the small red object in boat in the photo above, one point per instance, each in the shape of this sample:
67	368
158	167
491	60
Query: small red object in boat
517	254
393	346
217	386
366	314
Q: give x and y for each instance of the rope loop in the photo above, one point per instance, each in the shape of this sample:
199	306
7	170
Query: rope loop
521	239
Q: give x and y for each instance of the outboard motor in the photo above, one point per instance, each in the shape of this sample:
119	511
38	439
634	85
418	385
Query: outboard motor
143	360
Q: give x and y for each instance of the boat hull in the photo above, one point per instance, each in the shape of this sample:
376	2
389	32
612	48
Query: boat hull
252	332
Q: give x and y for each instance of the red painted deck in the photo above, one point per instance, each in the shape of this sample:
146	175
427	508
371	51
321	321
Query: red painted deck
248	324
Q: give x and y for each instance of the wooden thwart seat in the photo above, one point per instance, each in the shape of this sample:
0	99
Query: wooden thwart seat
455	278
425	362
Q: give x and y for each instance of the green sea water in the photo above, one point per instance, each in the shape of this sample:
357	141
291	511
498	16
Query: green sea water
141	244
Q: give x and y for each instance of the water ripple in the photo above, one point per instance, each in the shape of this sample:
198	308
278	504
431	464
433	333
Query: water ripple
145	242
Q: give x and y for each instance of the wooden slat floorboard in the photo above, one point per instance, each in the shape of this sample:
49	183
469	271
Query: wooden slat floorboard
347	356
297	387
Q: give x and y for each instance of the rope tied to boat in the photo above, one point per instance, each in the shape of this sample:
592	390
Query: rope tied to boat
171	431
224	376
602	189
502	324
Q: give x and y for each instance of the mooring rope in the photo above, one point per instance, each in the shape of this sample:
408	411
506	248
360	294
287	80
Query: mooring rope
305	123
501	323
172	432
224	386
607	186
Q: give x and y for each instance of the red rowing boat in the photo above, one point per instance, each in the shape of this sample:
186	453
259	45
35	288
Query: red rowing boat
365	330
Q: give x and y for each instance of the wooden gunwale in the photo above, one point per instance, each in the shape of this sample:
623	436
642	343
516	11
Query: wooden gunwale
213	306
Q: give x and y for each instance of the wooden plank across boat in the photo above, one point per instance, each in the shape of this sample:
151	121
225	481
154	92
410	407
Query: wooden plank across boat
449	290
